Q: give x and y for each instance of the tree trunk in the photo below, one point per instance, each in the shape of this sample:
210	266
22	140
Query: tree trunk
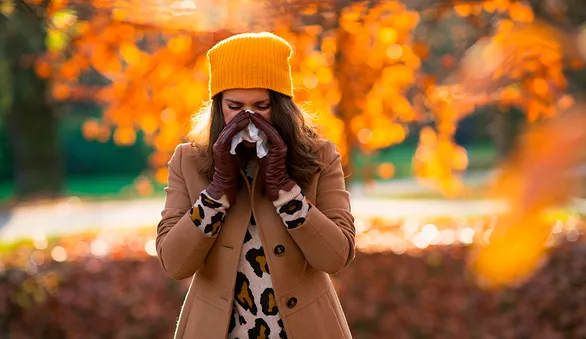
33	140
505	129
347	164
31	123
341	109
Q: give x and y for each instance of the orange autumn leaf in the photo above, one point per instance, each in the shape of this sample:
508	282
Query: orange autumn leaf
463	9
520	12
386	170
489	6
69	70
540	86
421	49
124	136
90	129
130	53
43	69
161	175
501	5
565	102
179	44
510	93
61	91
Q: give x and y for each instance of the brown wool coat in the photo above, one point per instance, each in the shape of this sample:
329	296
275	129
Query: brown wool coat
307	301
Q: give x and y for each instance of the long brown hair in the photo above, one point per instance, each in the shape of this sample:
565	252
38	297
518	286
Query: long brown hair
292	123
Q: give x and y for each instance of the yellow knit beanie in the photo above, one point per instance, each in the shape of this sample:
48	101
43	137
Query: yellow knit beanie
251	60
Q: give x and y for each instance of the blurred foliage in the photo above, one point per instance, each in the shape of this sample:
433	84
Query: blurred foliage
107	284
534	178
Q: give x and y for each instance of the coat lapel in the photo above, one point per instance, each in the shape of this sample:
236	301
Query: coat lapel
238	217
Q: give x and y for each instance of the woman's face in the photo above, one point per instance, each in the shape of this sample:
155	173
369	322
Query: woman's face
235	101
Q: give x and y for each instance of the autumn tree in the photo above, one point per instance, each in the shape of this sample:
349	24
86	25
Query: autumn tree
363	65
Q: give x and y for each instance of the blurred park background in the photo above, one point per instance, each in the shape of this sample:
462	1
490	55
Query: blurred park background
461	124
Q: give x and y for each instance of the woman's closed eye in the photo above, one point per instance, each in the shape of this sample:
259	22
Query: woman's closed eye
260	107
263	107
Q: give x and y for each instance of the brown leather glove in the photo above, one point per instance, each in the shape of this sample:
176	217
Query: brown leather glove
226	165
273	167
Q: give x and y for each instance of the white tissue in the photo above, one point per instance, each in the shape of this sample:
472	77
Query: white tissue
251	134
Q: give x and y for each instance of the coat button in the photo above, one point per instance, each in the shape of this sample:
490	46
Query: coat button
279	250
292	302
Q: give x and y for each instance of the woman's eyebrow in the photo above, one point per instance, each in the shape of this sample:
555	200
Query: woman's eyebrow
230	101
233	102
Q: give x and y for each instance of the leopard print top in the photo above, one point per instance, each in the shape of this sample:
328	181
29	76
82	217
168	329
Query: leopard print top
254	312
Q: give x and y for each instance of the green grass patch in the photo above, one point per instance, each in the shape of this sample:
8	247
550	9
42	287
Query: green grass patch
109	188
481	157
6	191
473	194
95	188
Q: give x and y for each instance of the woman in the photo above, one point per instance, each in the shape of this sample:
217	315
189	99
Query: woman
259	236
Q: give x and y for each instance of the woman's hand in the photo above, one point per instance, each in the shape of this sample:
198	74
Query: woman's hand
226	165
273	167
